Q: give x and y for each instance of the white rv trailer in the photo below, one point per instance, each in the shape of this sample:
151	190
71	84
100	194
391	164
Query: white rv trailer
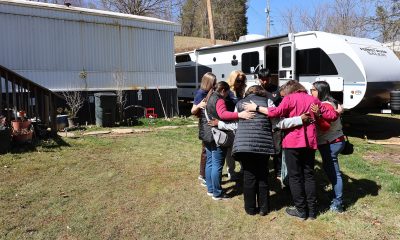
361	72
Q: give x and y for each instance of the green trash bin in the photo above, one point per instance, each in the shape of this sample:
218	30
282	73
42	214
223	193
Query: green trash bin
105	108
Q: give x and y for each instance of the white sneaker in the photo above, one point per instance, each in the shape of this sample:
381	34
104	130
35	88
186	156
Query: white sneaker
210	194
222	197
200	178
203	183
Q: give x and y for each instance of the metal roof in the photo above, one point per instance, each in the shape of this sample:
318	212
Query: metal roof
56	11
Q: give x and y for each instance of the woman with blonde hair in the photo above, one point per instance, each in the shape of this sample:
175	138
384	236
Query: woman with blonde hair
237	87
237	84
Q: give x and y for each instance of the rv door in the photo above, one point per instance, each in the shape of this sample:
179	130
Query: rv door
287	59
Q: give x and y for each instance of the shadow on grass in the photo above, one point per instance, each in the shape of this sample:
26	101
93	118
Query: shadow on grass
47	144
353	190
371	126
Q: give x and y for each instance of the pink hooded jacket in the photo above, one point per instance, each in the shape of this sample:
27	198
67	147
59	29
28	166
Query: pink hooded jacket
293	105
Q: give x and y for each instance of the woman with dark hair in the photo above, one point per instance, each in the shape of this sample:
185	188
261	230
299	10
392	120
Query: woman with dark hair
216	108
252	146
299	145
208	82
330	142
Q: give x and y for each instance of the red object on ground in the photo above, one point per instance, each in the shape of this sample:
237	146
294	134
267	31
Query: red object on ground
150	113
17	125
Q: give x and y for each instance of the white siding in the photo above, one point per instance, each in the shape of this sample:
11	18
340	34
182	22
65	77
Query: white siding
54	51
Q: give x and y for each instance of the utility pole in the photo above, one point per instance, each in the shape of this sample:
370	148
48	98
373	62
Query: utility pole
210	22
267	11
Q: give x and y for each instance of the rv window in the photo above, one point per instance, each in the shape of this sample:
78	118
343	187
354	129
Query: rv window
287	56
183	58
314	62
272	59
250	61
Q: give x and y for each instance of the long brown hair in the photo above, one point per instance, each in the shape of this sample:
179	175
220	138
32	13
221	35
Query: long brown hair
208	81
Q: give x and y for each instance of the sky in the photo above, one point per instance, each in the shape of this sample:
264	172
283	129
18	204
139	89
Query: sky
257	17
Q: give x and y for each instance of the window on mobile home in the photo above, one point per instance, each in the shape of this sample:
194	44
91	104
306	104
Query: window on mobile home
314	62
183	58
250	60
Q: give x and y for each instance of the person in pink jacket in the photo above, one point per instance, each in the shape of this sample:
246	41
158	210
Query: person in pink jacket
299	144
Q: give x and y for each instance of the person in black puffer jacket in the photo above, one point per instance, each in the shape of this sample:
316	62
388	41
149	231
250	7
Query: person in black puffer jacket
252	146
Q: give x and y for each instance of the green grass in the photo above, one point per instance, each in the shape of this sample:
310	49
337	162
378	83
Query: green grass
144	186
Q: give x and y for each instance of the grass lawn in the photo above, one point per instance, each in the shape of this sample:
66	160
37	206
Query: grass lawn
144	186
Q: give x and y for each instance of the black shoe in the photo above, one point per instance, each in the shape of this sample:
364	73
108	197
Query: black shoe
311	216
251	212
262	213
292	211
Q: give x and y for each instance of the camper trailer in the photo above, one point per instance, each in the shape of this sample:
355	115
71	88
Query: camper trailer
361	72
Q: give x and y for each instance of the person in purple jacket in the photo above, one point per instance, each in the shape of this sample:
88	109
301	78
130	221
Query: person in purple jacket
299	145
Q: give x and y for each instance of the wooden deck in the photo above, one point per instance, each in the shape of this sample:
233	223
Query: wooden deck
21	94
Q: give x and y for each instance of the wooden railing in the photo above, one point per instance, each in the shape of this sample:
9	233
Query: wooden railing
21	94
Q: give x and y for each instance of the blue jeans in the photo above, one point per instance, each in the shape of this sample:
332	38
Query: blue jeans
330	163
214	164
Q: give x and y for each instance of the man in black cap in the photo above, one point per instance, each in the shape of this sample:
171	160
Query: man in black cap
264	76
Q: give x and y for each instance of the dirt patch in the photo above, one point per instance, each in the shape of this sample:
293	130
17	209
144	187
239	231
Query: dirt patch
390	154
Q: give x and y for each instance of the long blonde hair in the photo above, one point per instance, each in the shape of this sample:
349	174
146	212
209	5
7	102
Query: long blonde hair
236	74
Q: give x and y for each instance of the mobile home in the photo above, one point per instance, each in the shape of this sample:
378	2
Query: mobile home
77	49
361	72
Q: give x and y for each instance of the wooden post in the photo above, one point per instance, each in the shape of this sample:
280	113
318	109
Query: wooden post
46	109
210	22
36	104
20	96
42	105
7	98
14	95
53	124
30	107
1	91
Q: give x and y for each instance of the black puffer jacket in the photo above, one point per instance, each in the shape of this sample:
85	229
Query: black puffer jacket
254	135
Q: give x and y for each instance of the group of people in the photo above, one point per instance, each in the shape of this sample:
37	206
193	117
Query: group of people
285	123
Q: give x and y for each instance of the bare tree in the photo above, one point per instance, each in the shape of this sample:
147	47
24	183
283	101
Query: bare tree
315	19
74	101
119	81
289	19
155	8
